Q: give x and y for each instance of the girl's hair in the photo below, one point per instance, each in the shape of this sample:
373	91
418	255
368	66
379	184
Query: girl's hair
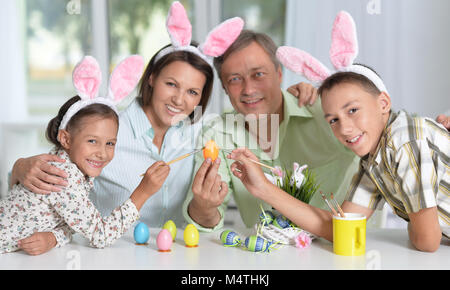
146	91
99	110
353	78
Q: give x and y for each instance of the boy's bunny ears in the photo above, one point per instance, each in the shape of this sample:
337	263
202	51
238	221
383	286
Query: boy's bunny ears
344	50
217	41
87	78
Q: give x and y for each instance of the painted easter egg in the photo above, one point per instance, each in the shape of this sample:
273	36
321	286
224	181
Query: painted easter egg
257	244
164	241
211	150
172	228
230	238
266	218
191	236
141	233
281	222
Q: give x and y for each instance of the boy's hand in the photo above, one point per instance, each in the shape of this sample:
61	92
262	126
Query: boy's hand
155	176
38	243
38	175
248	172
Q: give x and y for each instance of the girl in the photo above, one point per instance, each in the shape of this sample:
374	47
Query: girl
160	124
84	134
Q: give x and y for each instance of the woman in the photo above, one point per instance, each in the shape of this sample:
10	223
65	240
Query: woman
159	125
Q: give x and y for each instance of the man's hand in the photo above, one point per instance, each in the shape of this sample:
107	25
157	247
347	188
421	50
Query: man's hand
38	243
38	175
444	120
209	193
306	93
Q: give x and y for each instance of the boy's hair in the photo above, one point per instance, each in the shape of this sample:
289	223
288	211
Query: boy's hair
246	38
350	77
155	67
96	109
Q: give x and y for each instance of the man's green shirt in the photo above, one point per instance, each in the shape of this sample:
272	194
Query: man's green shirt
304	137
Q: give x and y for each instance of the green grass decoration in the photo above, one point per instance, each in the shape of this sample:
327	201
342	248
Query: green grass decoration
307	189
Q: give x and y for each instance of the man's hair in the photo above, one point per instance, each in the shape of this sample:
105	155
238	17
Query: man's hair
246	38
350	78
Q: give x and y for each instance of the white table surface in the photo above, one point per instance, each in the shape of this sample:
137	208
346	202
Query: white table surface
385	249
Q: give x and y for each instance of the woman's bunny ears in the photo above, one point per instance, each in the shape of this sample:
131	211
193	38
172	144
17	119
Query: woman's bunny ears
87	77
217	41
343	52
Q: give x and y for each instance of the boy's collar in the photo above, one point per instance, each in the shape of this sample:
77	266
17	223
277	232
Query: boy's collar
376	158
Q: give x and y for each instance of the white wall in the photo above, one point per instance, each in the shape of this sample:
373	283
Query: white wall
406	41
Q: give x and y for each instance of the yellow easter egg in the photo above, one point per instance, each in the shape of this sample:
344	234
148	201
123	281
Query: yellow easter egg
171	227
191	236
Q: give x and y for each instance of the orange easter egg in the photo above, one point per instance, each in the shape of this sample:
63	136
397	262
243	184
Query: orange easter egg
211	150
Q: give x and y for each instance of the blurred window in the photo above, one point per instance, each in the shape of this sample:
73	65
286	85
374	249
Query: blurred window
58	33
57	36
259	15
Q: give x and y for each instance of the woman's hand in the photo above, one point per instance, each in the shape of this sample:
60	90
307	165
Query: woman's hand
248	172
38	243
36	174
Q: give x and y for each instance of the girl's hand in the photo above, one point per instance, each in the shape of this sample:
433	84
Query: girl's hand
38	243
248	172
155	176
38	175
153	180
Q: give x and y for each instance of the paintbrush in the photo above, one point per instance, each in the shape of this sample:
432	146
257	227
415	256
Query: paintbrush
341	212
180	158
251	160
329	205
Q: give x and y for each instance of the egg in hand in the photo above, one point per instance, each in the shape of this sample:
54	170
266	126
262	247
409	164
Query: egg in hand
211	150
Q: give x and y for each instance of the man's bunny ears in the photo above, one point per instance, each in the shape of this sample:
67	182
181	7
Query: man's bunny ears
344	50
217	41
87	77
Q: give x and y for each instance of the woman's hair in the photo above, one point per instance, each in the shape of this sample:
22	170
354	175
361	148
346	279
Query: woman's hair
244	39
352	78
155	68
98	110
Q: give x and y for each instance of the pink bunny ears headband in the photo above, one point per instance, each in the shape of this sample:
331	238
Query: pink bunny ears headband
344	50
217	41
87	78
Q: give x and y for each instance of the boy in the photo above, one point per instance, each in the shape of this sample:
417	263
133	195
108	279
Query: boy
404	161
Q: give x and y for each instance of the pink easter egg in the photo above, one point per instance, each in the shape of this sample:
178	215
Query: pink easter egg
164	241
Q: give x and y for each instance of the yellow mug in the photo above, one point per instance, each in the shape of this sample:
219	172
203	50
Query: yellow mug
349	234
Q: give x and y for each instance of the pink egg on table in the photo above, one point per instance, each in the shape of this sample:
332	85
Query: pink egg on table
164	241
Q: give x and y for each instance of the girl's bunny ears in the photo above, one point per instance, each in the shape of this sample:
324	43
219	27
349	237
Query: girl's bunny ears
217	41
344	50
87	78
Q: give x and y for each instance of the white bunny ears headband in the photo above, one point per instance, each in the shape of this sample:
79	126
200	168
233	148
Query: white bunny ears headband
180	31
344	50
87	77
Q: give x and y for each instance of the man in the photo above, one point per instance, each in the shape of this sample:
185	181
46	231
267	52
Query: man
251	76
268	121
273	126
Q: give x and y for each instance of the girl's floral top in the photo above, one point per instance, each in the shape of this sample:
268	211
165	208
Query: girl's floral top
63	213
